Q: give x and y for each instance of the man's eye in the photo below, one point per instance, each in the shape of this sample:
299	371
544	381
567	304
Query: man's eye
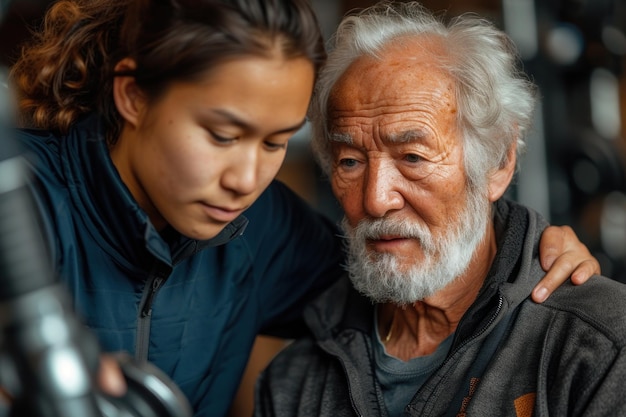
348	162
412	158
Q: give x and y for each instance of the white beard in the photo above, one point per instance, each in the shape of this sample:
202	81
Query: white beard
379	275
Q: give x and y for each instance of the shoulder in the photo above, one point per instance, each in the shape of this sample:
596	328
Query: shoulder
287	360
295	380
42	152
300	361
39	146
599	303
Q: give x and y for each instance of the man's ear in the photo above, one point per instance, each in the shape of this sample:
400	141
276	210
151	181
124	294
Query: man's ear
128	97
500	178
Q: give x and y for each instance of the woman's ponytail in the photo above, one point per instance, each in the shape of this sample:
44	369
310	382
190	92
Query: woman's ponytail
64	71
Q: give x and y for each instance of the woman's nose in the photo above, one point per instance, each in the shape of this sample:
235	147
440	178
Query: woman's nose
241	176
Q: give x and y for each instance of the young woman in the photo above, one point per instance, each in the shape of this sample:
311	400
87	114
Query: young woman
155	129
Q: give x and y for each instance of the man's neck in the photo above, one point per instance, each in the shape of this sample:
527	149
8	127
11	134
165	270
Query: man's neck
416	330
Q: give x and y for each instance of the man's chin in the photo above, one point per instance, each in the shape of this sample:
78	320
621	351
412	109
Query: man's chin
402	284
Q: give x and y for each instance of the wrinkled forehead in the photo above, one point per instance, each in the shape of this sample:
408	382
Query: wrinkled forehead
406	70
403	89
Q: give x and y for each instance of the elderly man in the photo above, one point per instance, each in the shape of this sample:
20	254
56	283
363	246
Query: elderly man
419	125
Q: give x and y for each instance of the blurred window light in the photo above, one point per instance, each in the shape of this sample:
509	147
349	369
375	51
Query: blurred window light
520	23
65	361
605	104
533	183
564	44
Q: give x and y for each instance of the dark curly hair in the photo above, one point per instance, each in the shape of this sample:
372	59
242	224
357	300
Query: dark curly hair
66	70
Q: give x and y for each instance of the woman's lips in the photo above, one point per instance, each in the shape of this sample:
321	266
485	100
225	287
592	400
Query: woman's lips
222	214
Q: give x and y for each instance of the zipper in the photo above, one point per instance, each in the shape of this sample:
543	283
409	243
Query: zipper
145	314
340	357
146	310
464	343
480	332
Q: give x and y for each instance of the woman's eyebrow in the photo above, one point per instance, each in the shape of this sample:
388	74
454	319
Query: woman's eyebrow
241	123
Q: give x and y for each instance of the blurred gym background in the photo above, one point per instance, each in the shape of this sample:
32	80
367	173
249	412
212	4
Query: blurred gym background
574	172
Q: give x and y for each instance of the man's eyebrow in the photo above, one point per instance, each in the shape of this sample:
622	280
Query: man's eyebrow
408	136
341	138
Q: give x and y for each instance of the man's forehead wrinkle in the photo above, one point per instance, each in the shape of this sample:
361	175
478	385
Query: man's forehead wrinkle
408	100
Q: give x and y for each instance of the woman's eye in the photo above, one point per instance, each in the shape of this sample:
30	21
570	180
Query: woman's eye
221	139
273	146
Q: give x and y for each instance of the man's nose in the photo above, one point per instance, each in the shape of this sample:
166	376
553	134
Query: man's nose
382	188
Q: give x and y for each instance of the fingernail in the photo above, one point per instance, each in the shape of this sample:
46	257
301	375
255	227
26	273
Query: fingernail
541	294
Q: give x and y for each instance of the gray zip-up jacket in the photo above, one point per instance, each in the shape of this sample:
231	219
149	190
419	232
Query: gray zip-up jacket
509	356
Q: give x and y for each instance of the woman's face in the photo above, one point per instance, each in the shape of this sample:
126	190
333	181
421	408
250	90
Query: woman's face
203	152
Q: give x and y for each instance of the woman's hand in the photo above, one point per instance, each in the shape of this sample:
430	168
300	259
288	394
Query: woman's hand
563	256
110	378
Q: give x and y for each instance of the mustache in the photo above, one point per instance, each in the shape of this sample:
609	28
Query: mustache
376	229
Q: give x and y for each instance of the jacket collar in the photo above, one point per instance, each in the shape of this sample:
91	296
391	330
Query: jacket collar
109	210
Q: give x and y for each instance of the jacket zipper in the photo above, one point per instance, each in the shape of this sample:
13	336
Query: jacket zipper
469	339
146	311
477	334
145	317
337	354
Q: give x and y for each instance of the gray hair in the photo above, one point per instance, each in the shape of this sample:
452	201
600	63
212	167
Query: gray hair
495	99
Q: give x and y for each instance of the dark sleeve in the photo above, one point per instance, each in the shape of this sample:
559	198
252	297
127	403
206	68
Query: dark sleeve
297	253
262	398
293	378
